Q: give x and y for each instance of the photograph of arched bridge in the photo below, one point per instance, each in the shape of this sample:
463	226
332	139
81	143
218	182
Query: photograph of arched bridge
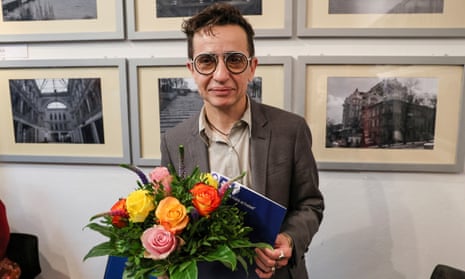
179	99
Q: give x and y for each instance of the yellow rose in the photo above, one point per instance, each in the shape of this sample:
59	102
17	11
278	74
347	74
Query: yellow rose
172	214
139	204
210	180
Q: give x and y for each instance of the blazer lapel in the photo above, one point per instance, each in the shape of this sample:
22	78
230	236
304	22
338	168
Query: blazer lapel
259	146
198	154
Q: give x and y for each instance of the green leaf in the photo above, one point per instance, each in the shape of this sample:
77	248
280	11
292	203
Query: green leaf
103	249
187	270
243	263
105	230
248	244
261	245
223	254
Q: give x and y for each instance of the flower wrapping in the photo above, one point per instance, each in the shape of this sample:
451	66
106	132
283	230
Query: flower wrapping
172	221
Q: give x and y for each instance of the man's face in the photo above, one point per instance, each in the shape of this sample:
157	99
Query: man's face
222	89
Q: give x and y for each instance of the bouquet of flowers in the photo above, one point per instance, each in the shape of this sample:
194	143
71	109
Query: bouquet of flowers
171	222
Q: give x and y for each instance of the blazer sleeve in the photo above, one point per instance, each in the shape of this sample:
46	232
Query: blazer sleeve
306	204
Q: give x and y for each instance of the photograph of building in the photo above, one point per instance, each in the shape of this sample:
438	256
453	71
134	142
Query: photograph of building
390	114
385	6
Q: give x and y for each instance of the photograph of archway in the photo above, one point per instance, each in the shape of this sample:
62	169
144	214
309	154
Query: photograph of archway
57	110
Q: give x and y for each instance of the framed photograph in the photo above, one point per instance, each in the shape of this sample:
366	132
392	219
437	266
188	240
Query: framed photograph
64	111
162	19
163	94
384	113
58	20
381	18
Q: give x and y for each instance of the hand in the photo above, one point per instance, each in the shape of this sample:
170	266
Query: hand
268	260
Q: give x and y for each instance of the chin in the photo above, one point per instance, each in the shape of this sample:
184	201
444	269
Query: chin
220	103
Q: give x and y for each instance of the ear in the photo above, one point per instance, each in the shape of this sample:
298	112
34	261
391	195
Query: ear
253	67
190	67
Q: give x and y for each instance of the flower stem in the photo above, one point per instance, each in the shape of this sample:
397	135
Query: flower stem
226	185
182	167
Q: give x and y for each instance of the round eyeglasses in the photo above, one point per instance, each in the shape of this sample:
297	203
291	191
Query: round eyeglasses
206	63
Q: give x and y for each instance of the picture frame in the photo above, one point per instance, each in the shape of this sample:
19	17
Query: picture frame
104	21
318	18
384	113
64	111
147	78
144	24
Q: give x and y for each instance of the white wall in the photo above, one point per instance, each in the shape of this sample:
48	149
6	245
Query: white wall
377	224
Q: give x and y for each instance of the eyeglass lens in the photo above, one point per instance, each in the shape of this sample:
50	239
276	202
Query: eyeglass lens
235	62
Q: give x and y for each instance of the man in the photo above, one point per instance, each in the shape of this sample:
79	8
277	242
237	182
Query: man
232	133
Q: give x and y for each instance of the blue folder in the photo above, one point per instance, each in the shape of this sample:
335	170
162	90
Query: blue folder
264	215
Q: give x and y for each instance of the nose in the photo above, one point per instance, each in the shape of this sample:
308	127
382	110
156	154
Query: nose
221	73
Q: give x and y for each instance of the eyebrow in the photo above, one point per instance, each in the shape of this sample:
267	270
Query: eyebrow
226	52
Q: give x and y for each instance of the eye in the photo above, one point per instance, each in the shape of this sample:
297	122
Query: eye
236	59
206	59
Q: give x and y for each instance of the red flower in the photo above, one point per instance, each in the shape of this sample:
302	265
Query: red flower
205	198
119	214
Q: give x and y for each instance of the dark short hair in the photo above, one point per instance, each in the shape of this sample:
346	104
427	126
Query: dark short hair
217	14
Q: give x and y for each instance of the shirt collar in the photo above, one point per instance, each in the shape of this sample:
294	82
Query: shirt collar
204	130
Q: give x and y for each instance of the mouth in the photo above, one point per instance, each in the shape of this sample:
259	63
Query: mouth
221	90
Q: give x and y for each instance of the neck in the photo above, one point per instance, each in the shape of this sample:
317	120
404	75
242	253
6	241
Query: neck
213	127
223	118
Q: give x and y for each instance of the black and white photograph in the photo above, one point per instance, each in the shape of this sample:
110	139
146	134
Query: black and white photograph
27	10
185	8
179	99
57	110
392	113
386	6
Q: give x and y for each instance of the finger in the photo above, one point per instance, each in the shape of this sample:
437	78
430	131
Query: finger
282	263
266	259
260	264
281	254
263	274
269	253
266	267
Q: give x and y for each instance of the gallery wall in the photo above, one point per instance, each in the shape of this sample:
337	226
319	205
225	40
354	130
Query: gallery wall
378	223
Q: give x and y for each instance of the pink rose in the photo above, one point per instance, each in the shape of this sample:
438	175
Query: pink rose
161	176
158	242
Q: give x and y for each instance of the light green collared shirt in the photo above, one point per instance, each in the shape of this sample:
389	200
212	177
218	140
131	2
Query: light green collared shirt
229	155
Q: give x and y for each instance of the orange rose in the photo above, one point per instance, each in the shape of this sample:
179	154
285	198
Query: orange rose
205	198
172	214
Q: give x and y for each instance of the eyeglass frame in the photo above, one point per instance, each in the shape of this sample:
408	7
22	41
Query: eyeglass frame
225	55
